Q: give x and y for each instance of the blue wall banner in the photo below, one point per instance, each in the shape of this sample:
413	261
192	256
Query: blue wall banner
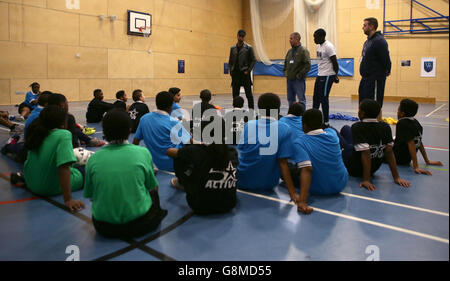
180	66
346	68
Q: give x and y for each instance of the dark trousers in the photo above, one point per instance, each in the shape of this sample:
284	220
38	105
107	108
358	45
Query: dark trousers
134	228
369	88
346	140
238	80
322	89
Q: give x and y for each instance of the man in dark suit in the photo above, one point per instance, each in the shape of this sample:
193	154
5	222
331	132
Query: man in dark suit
241	63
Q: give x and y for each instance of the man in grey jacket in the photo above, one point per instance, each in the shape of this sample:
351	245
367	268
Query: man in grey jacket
296	65
241	63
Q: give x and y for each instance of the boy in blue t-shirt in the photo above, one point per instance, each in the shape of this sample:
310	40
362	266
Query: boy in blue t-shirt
318	155
30	102
264	147
160	132
294	119
176	109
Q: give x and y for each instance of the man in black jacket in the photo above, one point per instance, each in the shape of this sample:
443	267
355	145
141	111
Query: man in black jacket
97	107
375	63
241	63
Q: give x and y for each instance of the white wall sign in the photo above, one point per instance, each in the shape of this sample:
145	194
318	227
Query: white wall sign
73	4
428	67
373	4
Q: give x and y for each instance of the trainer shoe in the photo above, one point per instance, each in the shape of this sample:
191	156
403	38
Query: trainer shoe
95	143
17	179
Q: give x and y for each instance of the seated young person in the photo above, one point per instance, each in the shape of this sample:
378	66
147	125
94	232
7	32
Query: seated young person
294	119
176	109
264	147
15	149
160	132
42	102
48	170
207	172
121	101
97	107
237	117
137	109
4	120
318	156
367	143
122	184
199	109
78	137
408	138
30	102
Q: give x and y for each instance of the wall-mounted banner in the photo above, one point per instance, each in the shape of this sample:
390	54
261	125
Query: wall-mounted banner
180	66
428	67
276	69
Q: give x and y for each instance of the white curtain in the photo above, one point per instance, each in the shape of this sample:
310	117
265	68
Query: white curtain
272	13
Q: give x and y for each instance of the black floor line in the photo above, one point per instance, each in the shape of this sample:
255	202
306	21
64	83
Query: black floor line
142	244
133	243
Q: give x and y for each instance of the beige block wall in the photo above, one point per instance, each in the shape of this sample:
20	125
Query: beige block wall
74	52
200	32
404	81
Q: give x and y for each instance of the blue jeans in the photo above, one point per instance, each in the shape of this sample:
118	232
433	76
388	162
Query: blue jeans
296	88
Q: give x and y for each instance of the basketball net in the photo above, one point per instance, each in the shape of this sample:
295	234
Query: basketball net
145	30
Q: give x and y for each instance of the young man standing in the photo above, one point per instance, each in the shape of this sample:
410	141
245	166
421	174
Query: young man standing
296	65
328	69
241	63
375	63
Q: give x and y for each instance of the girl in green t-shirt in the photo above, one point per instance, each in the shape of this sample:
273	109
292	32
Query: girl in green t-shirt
48	170
121	183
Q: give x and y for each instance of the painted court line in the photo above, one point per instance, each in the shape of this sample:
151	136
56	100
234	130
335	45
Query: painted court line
437	109
18	201
433	168
396	204
436	148
395	228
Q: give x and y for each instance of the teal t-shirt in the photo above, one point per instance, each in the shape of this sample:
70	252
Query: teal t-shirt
41	167
118	180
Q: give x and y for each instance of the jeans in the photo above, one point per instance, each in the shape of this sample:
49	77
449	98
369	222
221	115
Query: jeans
296	88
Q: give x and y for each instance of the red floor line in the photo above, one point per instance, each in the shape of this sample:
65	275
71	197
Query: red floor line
18	201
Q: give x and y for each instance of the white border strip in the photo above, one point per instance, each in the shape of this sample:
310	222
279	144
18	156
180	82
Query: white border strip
399	229
396	204
437	109
436	148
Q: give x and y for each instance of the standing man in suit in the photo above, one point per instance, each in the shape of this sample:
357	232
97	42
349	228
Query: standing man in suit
241	63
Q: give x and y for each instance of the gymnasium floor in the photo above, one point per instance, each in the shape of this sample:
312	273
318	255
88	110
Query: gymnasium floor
400	223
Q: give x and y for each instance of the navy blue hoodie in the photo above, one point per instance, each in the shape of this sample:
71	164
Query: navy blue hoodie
375	62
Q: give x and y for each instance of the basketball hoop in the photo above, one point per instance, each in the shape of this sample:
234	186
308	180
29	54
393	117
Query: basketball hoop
146	30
